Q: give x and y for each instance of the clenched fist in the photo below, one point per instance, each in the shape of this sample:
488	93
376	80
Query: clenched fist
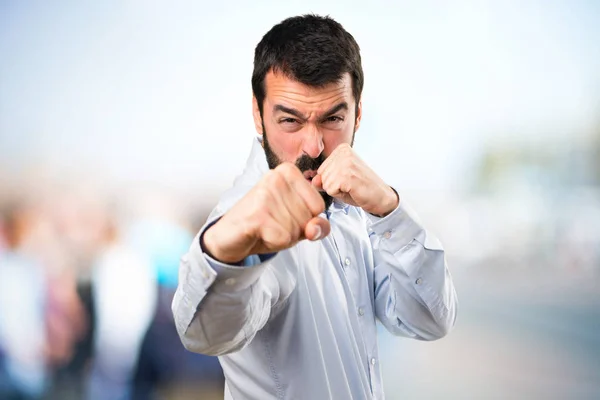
345	176
281	210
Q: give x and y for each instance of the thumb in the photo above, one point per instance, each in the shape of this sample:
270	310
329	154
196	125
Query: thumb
317	228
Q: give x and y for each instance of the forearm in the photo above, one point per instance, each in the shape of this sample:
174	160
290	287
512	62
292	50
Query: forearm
415	295
218	307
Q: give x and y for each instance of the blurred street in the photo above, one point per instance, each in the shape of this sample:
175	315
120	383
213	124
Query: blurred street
540	342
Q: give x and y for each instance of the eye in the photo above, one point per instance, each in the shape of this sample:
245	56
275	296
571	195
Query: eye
288	121
334	119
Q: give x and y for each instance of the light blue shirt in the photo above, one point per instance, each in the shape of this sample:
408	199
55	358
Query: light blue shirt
302	324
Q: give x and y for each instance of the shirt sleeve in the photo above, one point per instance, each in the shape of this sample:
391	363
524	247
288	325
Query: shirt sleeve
414	292
219	308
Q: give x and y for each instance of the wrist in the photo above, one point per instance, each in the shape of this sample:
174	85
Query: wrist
389	204
209	245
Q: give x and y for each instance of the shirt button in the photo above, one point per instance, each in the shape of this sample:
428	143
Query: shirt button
230	281
361	311
387	234
373	361
419	281
347	261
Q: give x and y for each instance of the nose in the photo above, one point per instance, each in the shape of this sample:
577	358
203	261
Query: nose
313	142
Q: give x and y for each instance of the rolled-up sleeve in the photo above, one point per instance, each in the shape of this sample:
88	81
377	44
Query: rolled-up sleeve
218	308
414	292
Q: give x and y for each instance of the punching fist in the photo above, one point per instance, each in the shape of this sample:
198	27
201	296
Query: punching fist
281	210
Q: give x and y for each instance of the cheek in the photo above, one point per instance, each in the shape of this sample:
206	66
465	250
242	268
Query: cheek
287	146
334	140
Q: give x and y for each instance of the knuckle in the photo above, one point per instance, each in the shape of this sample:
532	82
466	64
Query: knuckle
267	178
274	175
286	168
277	180
263	195
283	239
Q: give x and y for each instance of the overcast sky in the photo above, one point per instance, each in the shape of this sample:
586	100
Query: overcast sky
162	92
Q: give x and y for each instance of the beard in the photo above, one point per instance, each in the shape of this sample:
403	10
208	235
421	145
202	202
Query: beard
304	163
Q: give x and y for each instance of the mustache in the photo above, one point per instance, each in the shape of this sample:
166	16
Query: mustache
306	163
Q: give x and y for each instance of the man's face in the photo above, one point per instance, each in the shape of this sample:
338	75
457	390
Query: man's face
303	124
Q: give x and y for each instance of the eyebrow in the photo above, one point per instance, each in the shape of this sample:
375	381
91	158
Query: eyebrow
342	106
292	111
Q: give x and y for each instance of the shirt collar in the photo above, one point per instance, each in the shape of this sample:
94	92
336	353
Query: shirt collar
338	206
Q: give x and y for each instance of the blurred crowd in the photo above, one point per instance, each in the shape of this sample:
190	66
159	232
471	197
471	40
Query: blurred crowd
86	284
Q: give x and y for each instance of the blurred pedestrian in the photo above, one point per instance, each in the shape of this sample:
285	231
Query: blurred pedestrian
23	370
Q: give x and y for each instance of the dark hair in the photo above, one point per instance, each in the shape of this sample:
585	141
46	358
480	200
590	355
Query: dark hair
310	49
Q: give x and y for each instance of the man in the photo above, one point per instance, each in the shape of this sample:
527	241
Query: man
298	260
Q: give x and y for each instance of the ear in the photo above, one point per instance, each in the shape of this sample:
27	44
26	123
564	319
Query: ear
256	116
358	116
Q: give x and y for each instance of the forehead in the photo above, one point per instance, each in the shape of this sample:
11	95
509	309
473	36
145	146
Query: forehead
283	90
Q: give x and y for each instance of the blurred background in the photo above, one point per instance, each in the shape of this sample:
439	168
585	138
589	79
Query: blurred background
121	122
